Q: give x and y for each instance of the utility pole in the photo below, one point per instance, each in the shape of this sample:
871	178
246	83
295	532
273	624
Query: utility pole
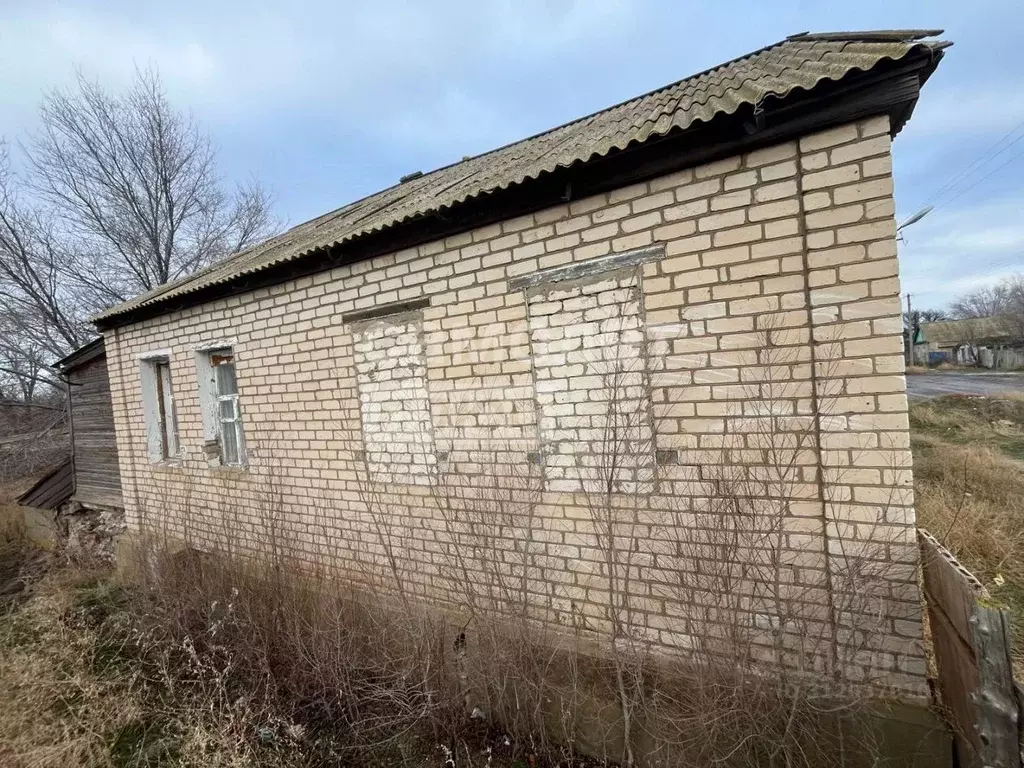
908	351
910	334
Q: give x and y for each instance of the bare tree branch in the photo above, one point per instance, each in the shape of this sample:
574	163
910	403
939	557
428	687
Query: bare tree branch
137	183
121	194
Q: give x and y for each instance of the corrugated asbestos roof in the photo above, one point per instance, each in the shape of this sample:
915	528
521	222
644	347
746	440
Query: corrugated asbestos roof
797	63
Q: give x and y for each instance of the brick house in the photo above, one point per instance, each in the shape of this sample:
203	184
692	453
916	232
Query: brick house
649	305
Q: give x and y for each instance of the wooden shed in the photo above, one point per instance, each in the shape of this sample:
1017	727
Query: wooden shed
96	475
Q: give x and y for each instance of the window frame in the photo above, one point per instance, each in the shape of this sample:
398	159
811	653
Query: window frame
225	357
160	408
210	399
170	439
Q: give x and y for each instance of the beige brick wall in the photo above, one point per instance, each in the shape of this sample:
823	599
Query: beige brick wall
761	364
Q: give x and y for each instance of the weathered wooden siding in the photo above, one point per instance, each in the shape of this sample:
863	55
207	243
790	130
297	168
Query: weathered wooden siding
971	641
97	479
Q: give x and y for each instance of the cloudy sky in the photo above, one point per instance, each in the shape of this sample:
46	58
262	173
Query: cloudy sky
326	101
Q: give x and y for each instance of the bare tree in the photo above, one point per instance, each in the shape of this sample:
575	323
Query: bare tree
120	194
1000	298
135	182
40	311
931	315
1014	315
1004	301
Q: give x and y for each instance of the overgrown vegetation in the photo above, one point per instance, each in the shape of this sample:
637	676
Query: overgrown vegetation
969	476
210	663
219	659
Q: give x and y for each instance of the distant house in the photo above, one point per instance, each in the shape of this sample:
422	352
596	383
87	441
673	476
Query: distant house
987	342
638	303
85	490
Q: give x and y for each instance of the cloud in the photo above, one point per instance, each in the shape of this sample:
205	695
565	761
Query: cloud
419	71
327	100
455	121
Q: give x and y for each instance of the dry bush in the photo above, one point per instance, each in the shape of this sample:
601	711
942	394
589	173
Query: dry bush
12	545
291	660
261	650
33	439
99	674
21	563
12	526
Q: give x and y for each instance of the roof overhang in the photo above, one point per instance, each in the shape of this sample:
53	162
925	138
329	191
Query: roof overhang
84	354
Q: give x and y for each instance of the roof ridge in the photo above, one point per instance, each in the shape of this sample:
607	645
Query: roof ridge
870	35
426	174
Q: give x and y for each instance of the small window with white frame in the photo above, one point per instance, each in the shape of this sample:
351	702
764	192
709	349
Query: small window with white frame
222	415
159	407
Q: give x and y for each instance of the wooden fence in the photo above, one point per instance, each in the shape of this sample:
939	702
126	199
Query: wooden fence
971	639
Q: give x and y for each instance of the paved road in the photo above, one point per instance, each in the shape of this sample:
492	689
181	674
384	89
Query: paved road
925	385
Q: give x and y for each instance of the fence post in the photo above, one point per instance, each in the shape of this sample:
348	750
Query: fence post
996	700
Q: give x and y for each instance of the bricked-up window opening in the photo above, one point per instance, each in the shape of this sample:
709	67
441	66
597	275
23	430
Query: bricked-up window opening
229	416
391	376
161	414
587	340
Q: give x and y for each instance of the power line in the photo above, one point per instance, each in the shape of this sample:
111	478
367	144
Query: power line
981	160
983	178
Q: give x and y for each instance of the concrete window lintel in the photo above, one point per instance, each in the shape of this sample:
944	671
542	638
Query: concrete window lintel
588	268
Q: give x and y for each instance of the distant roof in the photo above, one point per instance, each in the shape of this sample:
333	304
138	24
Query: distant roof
971	329
796	64
82	355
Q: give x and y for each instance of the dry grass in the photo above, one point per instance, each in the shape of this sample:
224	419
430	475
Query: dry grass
969	479
205	665
213	661
13	546
87	680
